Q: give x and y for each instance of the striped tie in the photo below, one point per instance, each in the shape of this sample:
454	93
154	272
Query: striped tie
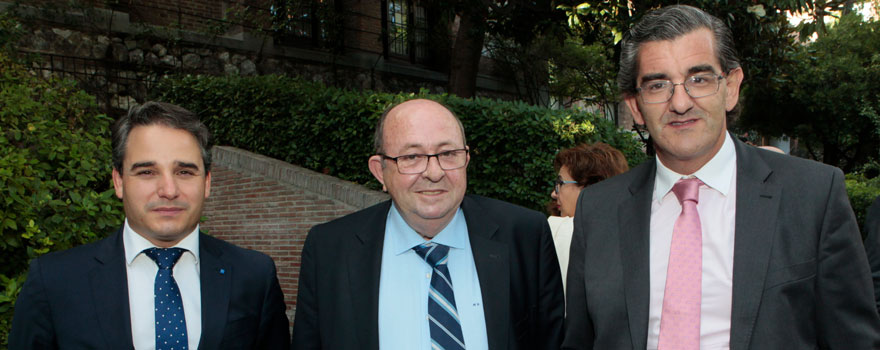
442	314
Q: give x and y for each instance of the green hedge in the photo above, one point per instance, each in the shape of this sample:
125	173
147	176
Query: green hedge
862	192
55	188
330	130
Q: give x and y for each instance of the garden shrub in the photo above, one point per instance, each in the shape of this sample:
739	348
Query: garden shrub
55	188
861	191
330	130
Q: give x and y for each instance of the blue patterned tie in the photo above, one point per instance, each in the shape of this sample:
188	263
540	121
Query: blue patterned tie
442	314
170	320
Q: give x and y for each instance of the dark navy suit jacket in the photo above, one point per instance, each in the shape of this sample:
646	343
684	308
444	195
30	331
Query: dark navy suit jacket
78	299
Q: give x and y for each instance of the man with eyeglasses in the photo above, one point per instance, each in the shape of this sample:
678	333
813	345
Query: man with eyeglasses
433	267
713	244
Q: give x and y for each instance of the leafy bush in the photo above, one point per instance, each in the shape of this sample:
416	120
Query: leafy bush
862	191
330	130
54	174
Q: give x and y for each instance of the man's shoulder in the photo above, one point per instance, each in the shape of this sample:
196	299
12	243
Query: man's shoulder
232	252
498	206
357	219
792	169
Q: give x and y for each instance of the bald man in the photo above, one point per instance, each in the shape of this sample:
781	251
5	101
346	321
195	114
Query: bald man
432	266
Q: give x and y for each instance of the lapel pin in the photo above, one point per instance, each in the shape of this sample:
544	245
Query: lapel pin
222	271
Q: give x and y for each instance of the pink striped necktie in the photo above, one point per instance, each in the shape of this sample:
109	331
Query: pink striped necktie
680	319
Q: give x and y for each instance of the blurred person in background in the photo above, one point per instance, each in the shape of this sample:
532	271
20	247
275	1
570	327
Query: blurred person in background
577	167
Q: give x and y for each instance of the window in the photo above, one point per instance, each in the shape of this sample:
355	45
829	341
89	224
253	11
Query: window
407	28
304	21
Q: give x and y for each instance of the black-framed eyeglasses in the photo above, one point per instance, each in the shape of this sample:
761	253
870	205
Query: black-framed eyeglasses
696	86
560	182
408	164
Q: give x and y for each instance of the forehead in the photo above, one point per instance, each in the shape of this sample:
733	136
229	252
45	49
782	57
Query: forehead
678	57
157	142
421	124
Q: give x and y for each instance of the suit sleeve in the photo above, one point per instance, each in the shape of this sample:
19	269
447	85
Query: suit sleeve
847	313
274	325
551	312
578	325
32	326
306	332
872	245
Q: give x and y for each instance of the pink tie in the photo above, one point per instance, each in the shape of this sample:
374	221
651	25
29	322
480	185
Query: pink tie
680	320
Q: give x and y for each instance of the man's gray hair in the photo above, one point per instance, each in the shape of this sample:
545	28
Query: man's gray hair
669	23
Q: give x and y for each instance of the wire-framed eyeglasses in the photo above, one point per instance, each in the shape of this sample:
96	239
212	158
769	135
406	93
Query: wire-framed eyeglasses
696	86
408	164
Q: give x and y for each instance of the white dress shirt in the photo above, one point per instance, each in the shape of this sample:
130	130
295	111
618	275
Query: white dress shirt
717	209
141	272
562	228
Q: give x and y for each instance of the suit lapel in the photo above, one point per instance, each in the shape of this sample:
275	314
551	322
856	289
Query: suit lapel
634	218
216	280
491	259
364	266
757	204
109	285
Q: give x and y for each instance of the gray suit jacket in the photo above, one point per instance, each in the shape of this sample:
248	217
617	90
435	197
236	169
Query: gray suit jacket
338	303
800	276
872	245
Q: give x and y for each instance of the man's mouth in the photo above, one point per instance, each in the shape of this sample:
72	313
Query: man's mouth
683	122
431	192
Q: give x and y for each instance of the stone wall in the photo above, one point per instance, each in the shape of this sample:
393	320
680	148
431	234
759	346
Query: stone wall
120	60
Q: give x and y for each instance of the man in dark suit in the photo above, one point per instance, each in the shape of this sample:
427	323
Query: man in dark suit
364	285
157	283
872	245
713	244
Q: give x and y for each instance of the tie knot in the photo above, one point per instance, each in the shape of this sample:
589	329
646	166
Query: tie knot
165	257
433	253
687	190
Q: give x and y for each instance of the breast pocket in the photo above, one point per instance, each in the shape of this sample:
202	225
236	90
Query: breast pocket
797	273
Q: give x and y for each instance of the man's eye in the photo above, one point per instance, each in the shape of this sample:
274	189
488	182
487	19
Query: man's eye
186	172
655	86
144	172
409	157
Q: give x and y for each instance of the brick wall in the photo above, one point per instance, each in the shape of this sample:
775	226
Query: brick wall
264	204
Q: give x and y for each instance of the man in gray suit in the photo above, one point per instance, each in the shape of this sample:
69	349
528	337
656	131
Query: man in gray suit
713	244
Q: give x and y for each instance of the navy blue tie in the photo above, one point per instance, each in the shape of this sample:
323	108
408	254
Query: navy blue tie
442	315
170	320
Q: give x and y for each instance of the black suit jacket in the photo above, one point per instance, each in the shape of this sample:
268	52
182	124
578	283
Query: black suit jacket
872	245
78	299
800	276
338	302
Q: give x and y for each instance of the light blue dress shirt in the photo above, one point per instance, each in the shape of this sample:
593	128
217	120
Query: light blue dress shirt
405	280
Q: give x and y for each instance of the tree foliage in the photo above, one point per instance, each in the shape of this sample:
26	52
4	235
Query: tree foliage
54	174
827	96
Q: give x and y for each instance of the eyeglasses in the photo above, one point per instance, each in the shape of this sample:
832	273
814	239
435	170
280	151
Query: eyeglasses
560	182
696	86
408	164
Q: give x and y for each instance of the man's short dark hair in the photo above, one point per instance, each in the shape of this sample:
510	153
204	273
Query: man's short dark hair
159	113
669	23
379	135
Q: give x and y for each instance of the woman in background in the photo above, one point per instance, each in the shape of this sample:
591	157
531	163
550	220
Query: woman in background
578	167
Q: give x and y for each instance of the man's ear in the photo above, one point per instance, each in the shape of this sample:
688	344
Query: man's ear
117	183
207	185
633	104
734	81
375	164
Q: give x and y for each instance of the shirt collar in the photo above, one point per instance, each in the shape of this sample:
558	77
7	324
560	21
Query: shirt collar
717	173
135	244
404	238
